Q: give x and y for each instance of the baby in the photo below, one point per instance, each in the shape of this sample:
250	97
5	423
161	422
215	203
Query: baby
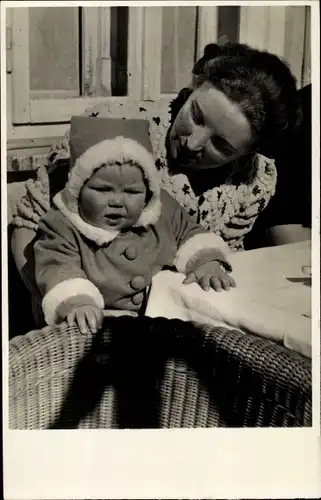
112	229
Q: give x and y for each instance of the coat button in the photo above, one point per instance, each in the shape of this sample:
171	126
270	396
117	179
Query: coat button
137	283
137	299
131	253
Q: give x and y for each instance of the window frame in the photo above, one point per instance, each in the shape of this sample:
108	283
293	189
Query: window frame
206	32
207	28
144	62
283	32
27	110
144	56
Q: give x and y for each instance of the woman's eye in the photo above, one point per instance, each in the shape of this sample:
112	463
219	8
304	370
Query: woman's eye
197	114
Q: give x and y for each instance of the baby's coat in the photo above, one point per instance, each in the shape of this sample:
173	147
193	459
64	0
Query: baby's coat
122	269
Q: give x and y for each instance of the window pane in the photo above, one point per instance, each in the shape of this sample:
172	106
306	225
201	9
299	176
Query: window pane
118	49
54	51
178	47
228	23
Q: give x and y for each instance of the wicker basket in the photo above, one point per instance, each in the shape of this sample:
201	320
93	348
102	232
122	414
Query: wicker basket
152	373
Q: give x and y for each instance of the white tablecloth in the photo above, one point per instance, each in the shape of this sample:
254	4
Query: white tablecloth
264	302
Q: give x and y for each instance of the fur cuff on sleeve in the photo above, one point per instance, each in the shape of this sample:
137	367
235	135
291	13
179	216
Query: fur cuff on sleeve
66	290
204	256
194	246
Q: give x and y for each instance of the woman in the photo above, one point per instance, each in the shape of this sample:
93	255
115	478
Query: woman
241	104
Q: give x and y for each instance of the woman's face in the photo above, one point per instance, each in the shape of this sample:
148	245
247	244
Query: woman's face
209	131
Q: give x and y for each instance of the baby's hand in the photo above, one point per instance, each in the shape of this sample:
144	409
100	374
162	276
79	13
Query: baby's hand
211	275
86	315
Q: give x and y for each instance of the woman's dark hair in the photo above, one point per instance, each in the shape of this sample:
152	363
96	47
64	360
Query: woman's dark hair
260	82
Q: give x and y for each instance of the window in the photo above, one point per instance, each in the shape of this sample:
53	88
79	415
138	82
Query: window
62	60
52	32
184	31
178	47
63	57
284	31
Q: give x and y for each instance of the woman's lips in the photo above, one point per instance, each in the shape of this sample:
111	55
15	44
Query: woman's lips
187	158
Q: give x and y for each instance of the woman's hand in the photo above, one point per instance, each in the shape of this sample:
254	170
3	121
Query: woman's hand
211	275
87	315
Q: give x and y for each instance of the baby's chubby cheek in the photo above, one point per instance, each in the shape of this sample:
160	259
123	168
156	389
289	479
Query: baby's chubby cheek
89	210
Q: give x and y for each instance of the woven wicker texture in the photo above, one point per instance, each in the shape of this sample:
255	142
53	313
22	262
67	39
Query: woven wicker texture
151	373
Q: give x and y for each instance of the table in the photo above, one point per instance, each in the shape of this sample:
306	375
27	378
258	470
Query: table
272	298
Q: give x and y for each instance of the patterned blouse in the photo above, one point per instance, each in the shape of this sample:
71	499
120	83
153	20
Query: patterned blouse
231	208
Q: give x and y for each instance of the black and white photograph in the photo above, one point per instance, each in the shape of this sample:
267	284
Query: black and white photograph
160	235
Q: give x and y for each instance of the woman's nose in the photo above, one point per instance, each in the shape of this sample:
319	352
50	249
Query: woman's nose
197	139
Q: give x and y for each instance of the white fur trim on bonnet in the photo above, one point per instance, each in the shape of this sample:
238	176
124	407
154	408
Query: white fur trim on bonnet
109	151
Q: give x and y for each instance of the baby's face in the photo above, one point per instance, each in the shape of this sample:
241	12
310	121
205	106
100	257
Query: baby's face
114	197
